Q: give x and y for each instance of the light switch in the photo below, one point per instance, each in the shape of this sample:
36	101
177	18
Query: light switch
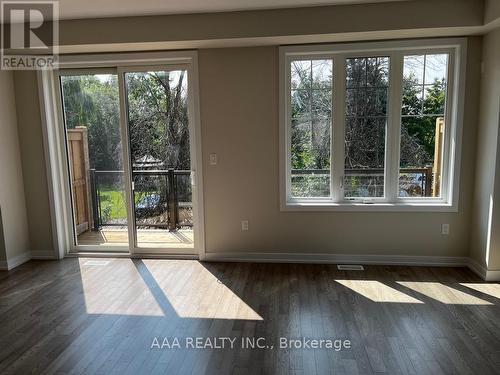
213	159
445	229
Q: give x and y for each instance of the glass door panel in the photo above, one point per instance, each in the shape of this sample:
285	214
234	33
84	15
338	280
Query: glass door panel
158	128
91	111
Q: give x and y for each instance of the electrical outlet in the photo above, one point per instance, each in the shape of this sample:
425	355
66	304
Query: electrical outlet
244	224
445	229
213	159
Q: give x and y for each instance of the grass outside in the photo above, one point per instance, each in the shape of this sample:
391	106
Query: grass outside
113	206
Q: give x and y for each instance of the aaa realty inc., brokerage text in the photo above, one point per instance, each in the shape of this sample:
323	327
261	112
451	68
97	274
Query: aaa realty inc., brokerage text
335	344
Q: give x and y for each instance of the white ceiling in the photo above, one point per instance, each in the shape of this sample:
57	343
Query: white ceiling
73	9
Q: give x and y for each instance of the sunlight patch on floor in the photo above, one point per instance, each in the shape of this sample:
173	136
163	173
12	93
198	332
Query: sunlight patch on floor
109	288
486	288
175	288
198	293
377	291
443	293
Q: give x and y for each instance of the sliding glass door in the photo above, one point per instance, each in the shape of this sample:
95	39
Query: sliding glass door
160	157
91	110
128	137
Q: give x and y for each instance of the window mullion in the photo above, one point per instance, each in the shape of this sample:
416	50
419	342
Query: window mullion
447	168
337	155
393	127
287	129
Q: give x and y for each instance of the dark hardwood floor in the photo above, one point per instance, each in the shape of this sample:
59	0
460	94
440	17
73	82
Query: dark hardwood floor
110	316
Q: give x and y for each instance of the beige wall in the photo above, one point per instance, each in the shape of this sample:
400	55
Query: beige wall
33	163
239	114
491	10
487	192
332	21
13	207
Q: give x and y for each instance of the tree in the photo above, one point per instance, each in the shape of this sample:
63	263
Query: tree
93	102
366	102
419	121
158	117
157	111
311	119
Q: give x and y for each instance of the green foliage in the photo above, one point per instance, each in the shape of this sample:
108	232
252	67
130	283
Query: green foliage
310	186
311	114
158	117
311	121
94	103
113	206
418	129
157	110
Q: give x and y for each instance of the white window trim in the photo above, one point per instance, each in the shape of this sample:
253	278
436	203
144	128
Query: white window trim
56	156
456	47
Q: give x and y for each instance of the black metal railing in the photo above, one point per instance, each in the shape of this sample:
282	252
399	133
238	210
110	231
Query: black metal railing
412	181
162	198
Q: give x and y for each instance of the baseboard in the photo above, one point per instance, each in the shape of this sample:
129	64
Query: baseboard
493	275
483	272
403	260
11	263
39	254
7	265
400	260
96	254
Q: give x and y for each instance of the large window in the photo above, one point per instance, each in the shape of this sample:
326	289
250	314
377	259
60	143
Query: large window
375	124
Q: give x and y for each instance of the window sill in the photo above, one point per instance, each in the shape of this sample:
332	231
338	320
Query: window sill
370	207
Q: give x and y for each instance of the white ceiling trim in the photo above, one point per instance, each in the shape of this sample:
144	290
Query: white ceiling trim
78	9
273	41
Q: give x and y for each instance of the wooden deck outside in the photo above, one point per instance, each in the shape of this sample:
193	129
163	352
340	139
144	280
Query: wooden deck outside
157	238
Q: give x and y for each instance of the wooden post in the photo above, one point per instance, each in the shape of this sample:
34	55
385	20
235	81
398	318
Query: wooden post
438	150
80	177
428	182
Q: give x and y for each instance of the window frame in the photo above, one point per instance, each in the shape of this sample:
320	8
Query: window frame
396	51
